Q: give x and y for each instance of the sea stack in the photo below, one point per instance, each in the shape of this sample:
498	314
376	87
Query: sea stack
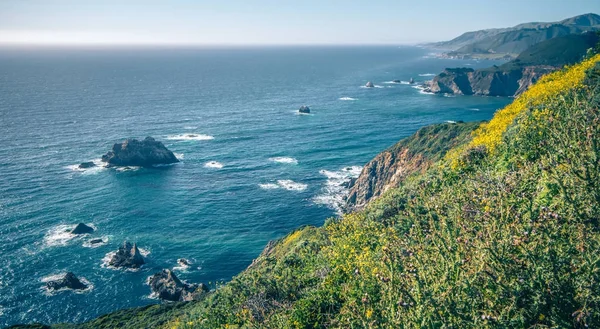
127	256
145	153
81	228
370	85
411	81
68	281
167	286
304	109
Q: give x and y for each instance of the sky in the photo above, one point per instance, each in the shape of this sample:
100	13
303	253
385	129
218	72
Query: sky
266	22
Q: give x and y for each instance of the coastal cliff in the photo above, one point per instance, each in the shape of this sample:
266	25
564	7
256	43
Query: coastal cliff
414	154
515	77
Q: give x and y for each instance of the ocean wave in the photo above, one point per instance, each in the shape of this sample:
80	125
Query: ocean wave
286	184
213	164
128	168
61	235
427	75
336	187
59	276
476	110
450	121
183	265
179	156
288	160
421	90
190	137
348	99
190	127
397	82
375	86
449	95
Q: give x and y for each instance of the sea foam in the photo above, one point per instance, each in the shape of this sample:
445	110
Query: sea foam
286	184
213	164
61	235
288	160
336	187
427	75
190	137
348	99
99	166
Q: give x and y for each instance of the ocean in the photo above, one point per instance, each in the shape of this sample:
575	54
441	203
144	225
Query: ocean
252	168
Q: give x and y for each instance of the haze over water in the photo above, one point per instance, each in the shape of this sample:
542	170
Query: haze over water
251	171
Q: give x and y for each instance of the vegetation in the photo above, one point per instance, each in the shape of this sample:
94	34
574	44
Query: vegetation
503	232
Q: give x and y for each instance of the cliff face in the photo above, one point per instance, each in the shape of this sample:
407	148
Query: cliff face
411	155
489	82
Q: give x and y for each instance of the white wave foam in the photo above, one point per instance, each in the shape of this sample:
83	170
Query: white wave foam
61	235
421	90
286	184
450	121
476	110
129	168
59	276
213	164
449	95
190	137
427	75
190	127
348	99
375	86
336	188
268	186
290	185
288	160
183	265
179	156
395	82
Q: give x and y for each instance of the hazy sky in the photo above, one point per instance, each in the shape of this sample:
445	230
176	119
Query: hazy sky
267	21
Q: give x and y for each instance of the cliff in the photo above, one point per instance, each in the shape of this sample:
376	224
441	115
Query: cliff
515	77
414	154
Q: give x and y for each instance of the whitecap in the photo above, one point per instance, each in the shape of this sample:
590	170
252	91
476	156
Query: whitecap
287	160
395	82
190	127
422	90
375	86
59	276
290	185
61	235
179	156
213	164
348	99
476	110
268	186
183	265
427	75
450	121
128	168
336	187
190	137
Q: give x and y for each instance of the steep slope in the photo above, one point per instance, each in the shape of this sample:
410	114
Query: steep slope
411	155
502	232
514	77
517	39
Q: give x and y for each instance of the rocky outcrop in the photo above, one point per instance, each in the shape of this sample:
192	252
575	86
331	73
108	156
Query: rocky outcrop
487	82
411	155
166	286
127	256
304	109
370	85
81	228
86	165
68	281
145	153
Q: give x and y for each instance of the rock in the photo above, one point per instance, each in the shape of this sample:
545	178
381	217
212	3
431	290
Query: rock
69	281
370	85
86	165
396	81
127	256
167	286
183	262
95	241
411	81
81	228
145	153
304	109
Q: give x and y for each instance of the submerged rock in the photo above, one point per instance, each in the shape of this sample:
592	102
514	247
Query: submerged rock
86	165
127	256
81	228
95	241
167	286
69	281
145	153
370	85
396	81
304	109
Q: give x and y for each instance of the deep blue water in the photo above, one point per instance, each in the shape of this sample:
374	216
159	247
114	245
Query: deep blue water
62	107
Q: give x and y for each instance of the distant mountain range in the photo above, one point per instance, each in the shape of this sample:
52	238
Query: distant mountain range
514	40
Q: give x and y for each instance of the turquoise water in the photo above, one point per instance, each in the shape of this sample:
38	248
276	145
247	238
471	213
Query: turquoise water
256	171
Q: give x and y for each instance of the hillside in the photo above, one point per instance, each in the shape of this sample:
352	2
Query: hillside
501	231
512	41
514	77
